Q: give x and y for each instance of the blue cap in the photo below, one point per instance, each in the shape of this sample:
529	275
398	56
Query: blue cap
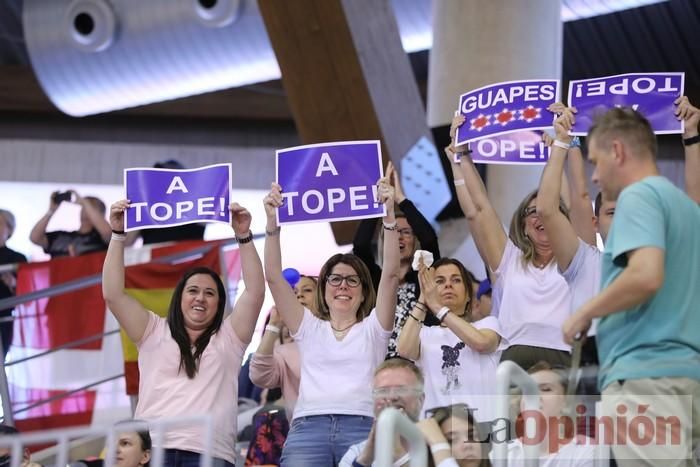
484	288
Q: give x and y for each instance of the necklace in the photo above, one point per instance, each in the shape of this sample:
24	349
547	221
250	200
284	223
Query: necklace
341	331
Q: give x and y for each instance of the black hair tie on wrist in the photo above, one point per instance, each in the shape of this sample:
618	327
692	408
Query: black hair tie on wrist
118	232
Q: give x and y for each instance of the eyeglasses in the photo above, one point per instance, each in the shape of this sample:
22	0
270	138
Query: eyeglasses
336	279
530	211
395	391
405	232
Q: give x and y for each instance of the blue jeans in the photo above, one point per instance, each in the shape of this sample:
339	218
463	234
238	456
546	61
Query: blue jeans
181	458
322	440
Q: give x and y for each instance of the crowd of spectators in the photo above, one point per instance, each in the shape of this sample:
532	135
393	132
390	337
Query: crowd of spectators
427	338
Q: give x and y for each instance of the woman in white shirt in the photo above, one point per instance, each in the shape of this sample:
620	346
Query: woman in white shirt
534	301
458	358
341	347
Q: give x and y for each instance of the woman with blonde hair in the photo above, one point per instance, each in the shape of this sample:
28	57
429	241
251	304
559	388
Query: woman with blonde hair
534	298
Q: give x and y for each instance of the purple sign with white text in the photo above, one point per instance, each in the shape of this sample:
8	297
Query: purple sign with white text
169	197
329	182
523	147
652	94
506	107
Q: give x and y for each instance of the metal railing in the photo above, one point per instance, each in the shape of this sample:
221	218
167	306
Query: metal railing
510	373
63	437
390	422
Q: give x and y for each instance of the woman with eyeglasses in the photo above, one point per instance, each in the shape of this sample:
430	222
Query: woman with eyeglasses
339	348
415	232
534	297
458	358
454	438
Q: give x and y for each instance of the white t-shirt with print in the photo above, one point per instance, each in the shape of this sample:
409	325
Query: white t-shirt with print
336	376
535	302
455	373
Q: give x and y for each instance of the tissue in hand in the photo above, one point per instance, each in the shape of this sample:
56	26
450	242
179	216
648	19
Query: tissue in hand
427	258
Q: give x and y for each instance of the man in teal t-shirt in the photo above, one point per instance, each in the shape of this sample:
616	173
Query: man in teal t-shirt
649	334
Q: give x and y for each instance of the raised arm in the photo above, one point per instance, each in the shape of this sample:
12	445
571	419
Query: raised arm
97	219
362	248
560	232
489	236
408	345
132	316
291	311
421	227
38	233
437	442
389	281
247	308
686	111
581	207
264	370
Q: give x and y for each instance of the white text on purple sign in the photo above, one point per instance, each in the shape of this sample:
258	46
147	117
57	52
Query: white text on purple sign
314	201
162	211
641	85
490	98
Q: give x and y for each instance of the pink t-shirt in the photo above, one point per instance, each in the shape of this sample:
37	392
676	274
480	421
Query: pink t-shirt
165	392
282	370
535	302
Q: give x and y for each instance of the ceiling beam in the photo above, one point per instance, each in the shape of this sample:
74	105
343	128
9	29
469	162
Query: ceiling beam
346	75
21	92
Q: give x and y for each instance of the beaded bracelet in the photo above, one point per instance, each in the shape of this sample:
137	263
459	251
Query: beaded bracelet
247	239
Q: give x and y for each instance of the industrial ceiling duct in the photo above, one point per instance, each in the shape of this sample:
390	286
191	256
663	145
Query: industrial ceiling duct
104	55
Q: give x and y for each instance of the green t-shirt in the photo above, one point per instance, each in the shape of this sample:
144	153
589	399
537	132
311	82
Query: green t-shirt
661	337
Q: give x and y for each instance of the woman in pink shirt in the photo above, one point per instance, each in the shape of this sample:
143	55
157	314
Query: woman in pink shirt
189	362
277	366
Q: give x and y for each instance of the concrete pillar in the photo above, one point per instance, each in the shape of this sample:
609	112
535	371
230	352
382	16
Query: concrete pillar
479	42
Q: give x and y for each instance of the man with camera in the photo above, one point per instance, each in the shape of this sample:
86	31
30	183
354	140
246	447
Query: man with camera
93	235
